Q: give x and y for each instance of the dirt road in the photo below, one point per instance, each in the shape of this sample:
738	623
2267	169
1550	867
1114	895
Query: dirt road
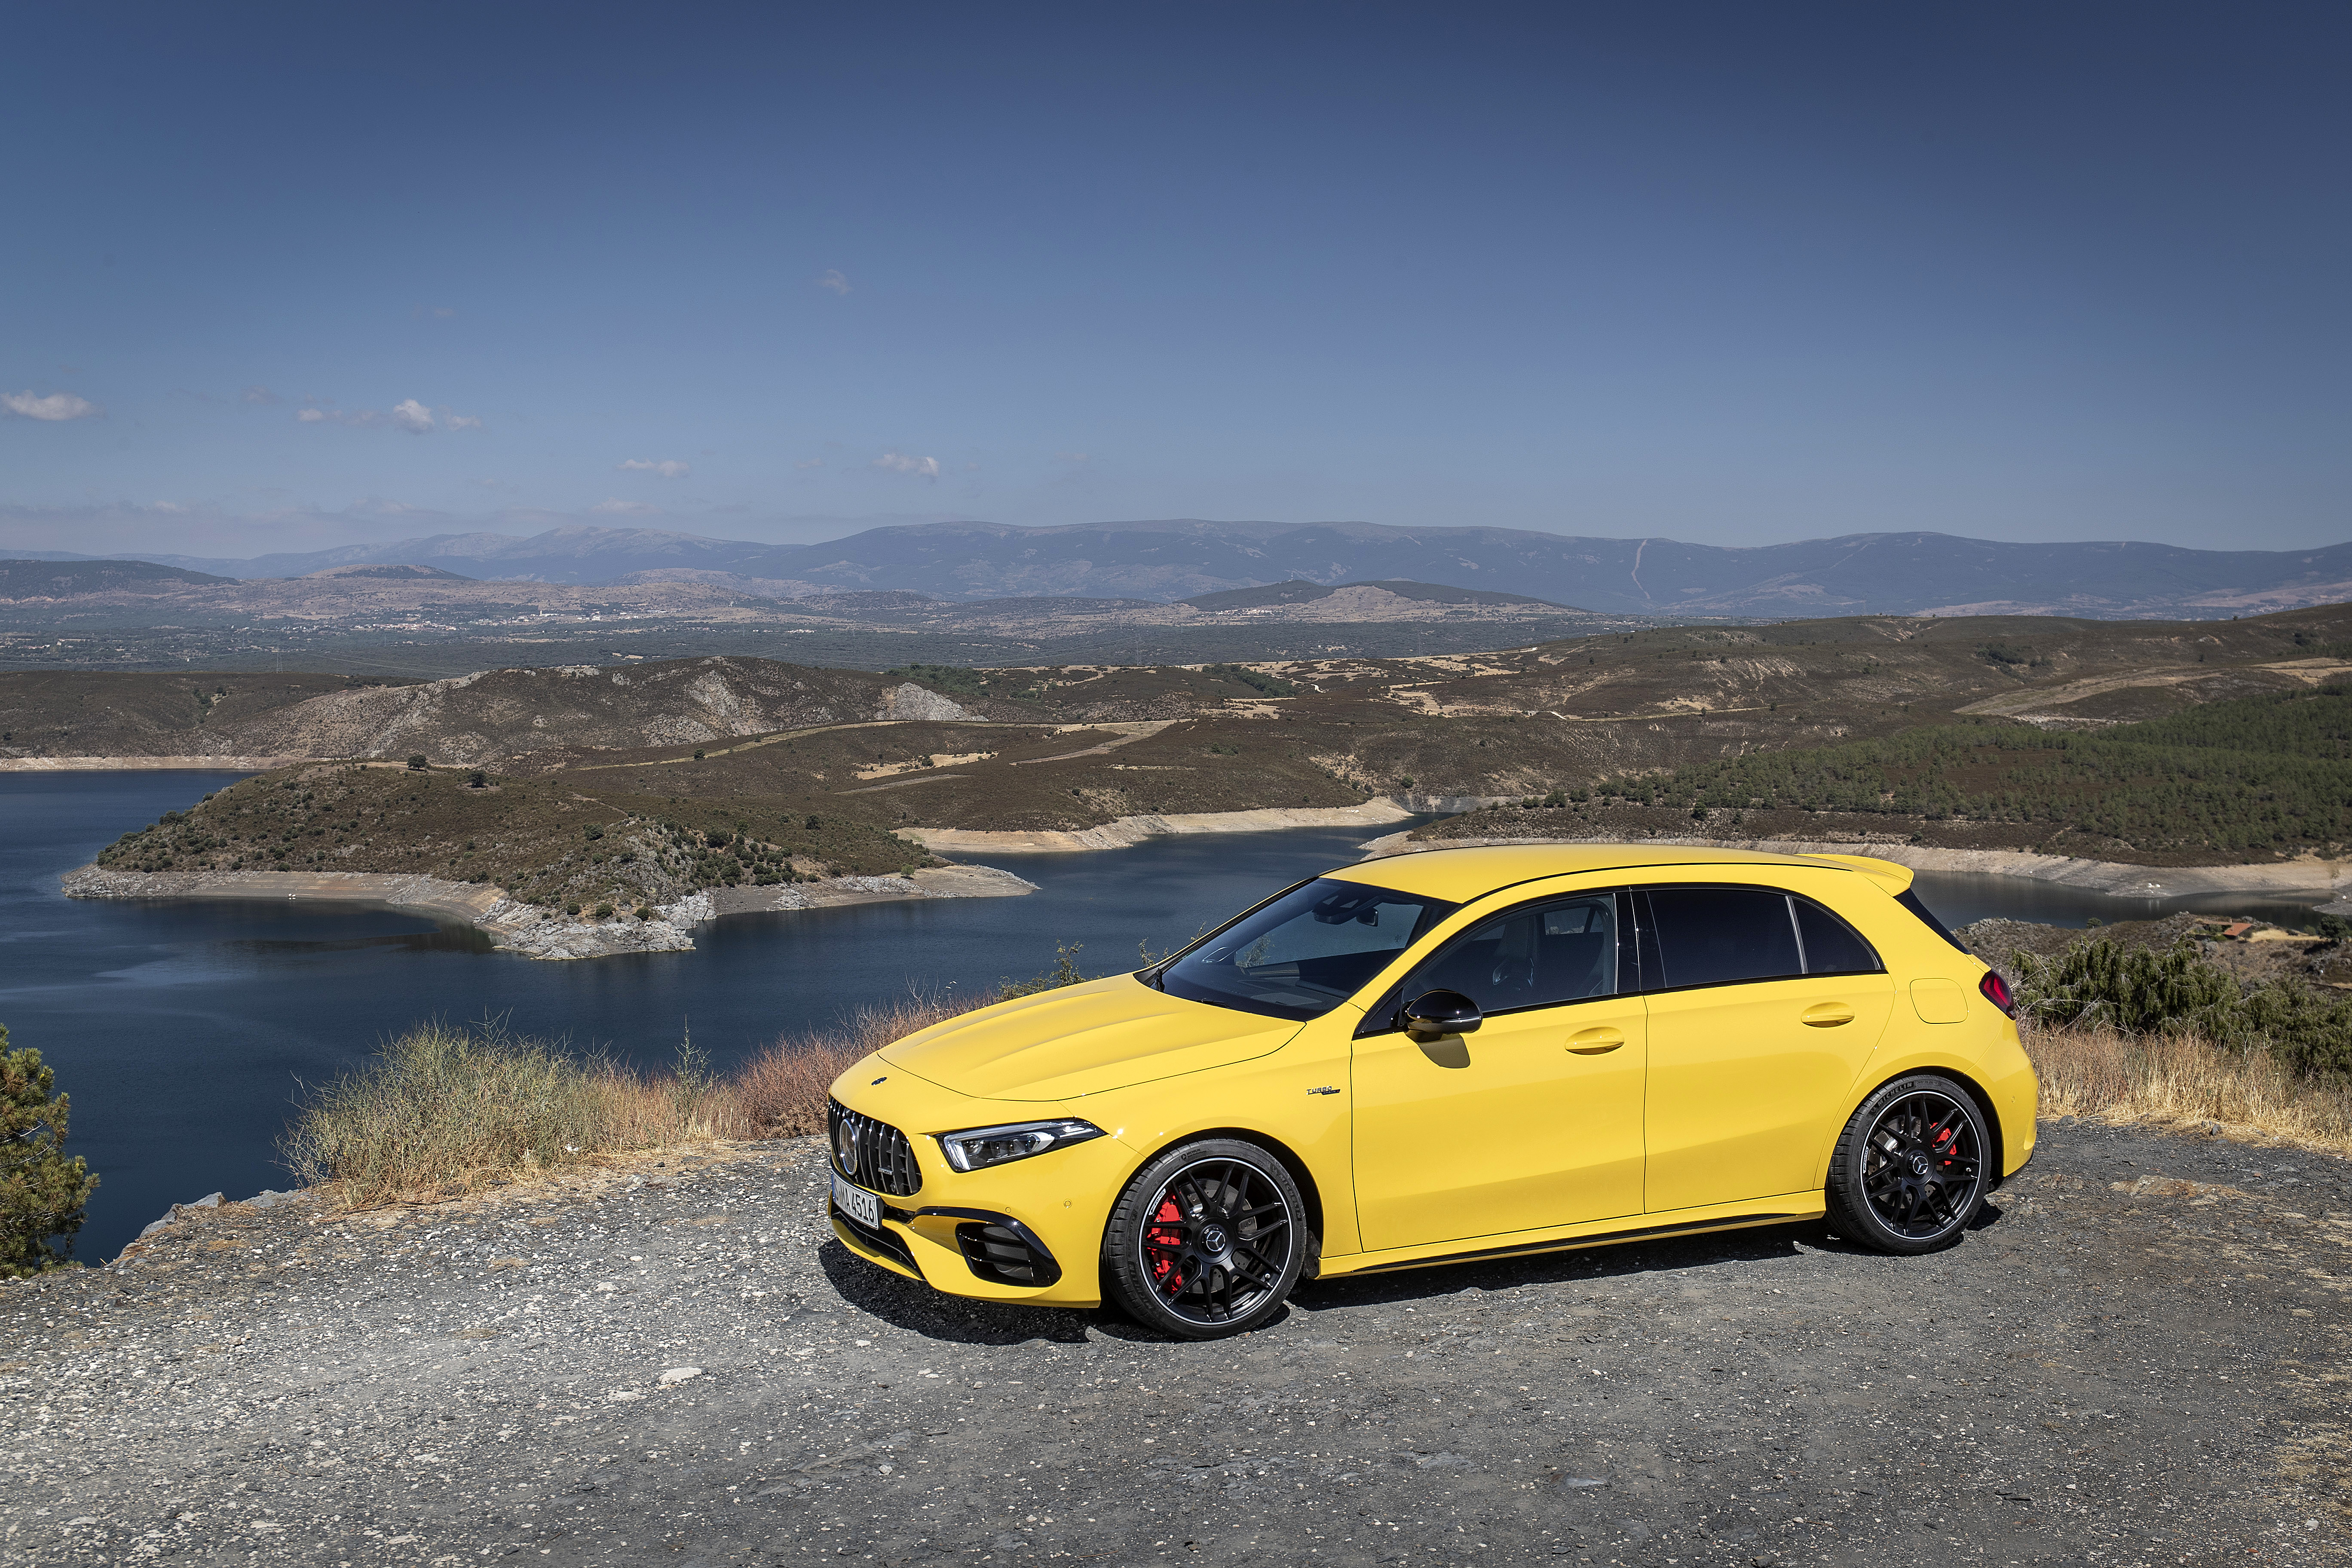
2145	1356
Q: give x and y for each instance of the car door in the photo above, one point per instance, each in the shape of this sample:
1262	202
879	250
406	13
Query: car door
1763	1008
1533	1119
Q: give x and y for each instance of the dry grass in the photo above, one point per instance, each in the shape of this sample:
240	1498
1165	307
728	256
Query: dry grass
442	1111
2182	1082
781	1092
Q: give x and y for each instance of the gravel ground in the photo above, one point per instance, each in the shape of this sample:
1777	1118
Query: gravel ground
2144	1356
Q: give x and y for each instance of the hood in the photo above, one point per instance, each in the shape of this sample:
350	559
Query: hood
1083	1039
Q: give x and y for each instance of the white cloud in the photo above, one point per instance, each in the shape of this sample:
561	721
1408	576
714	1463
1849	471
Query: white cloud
614	506
809	463
57	405
834	280
668	467
899	463
261	395
407	415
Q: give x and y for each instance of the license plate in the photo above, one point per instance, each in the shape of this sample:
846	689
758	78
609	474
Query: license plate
857	1204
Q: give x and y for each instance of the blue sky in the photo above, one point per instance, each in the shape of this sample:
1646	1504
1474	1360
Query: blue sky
1732	274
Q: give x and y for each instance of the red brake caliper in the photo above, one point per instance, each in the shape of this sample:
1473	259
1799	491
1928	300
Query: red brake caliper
1165	1242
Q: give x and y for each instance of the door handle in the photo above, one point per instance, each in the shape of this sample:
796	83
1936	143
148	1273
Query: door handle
1828	1015
1593	1042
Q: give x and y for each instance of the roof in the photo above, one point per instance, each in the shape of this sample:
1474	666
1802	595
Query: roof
1460	875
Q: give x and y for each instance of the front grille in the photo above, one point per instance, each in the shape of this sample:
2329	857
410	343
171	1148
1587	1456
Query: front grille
881	1240
996	1254
872	1154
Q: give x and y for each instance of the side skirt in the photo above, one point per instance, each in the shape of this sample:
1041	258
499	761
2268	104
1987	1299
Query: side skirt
1336	1269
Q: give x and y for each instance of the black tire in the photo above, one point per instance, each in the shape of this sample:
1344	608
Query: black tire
1911	1168
1207	1240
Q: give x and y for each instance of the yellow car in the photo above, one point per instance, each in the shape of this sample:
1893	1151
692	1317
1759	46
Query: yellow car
1459	1054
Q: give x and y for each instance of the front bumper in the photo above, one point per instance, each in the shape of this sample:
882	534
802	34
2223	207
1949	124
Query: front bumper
996	1249
1030	1231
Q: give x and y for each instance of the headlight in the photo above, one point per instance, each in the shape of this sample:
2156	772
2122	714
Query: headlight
983	1146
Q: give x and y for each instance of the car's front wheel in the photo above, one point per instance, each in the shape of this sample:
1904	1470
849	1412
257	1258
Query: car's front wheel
1910	1168
1207	1240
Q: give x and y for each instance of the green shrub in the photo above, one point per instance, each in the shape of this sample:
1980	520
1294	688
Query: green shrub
2176	991
41	1190
1063	972
953	679
1271	685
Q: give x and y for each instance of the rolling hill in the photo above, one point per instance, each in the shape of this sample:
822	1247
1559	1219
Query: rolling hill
1185	559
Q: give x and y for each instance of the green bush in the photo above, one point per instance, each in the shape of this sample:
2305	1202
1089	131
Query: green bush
1063	972
953	679
42	1192
2176	991
1256	680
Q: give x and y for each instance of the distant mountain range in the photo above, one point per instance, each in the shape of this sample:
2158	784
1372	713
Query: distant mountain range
1182	559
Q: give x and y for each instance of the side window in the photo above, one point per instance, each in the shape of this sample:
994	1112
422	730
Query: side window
1719	936
1831	946
1537	956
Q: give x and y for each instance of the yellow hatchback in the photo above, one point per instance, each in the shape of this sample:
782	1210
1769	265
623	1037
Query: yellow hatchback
1458	1054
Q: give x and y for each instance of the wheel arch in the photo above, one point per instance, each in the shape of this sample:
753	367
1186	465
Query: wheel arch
1967	1080
1300	1171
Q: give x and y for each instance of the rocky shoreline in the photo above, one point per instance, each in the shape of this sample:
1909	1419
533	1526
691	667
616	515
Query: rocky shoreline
516	927
1126	832
2294	879
193	762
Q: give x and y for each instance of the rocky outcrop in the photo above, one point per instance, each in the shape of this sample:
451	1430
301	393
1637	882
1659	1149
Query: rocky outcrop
537	932
910	701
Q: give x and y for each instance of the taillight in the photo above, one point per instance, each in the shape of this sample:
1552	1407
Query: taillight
1996	991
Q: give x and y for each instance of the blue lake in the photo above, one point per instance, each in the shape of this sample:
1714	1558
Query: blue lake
184	1030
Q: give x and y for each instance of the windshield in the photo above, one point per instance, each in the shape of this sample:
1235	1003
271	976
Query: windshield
1306	952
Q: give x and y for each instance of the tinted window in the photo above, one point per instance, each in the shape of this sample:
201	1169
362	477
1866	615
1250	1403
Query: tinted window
1305	951
1714	936
1831	946
1533	957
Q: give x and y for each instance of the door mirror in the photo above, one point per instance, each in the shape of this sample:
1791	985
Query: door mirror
1435	1013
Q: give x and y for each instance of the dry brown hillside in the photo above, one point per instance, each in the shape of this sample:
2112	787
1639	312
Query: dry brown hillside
88	713
1499	725
472	719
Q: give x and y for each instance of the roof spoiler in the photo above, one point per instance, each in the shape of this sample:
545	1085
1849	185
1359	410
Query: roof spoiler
1895	879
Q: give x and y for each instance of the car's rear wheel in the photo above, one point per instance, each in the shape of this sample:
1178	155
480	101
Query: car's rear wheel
1207	1240
1910	1169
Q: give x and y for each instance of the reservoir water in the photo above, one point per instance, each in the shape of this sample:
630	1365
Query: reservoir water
183	1030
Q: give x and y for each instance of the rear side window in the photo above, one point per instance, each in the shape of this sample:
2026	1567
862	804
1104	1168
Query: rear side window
1831	946
1910	900
1719	936
1724	936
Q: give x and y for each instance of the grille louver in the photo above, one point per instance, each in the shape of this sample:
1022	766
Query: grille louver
872	1154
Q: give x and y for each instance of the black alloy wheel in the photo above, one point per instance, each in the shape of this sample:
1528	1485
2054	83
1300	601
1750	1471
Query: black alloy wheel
1207	1240
1910	1169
